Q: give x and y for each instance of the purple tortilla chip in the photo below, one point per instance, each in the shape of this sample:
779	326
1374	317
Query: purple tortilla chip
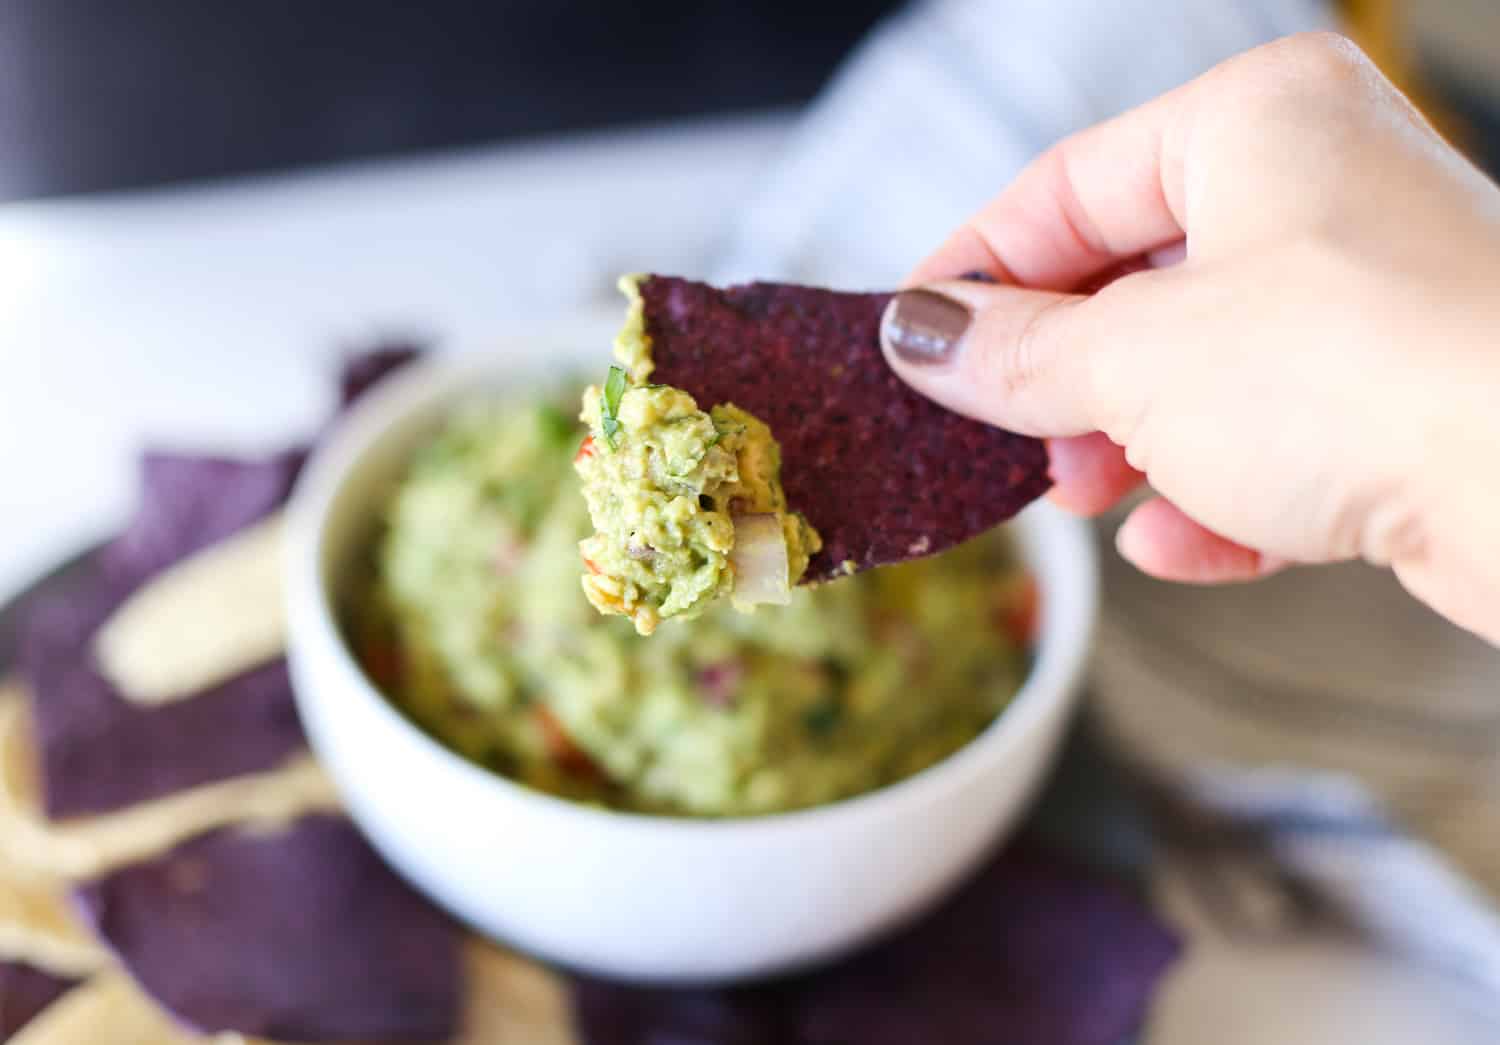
298	935
189	502
24	992
99	752
1033	950
366	369
882	473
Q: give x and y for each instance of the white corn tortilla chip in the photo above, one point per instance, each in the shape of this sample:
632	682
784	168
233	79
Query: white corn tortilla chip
209	618
512	1001
85	847
38	927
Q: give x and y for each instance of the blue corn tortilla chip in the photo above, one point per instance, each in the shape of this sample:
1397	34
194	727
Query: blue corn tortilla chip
365	369
1034	949
296	935
24	992
100	752
188	502
883	474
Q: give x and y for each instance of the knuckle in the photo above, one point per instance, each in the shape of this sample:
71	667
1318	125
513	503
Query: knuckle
1017	362
1111	378
1376	522
1316	66
1326	59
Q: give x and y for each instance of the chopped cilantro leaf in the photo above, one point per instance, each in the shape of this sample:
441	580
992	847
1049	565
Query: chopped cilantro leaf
609	405
821	718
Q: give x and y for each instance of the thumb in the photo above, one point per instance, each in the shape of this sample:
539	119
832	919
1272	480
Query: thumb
1011	357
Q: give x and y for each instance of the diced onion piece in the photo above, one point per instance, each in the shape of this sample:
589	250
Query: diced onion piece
760	561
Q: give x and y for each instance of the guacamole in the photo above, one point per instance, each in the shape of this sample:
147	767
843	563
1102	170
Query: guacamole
687	506
470	619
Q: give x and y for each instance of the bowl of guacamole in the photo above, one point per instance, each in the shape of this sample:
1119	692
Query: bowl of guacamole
471	620
734	794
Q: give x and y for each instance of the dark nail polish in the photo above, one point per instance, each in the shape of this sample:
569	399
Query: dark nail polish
924	327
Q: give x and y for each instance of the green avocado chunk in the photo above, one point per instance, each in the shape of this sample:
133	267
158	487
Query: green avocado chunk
687	506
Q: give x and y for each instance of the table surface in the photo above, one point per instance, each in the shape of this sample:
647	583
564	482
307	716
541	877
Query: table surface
211	317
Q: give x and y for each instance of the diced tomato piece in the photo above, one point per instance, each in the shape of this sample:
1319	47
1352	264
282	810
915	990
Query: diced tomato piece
1021	618
560	746
586	450
382	662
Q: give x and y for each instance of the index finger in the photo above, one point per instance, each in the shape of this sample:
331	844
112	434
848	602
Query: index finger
1103	195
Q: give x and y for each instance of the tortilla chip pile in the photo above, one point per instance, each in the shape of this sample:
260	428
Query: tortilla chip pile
883	474
101	752
1031	950
174	867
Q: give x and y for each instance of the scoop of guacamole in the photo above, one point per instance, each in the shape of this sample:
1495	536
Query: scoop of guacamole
687	506
470	619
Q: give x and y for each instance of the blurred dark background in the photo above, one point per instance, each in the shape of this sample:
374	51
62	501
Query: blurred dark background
100	94
109	94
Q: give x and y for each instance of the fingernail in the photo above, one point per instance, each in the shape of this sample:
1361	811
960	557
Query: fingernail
923	327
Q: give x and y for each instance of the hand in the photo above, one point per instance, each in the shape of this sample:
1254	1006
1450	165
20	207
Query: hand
1303	357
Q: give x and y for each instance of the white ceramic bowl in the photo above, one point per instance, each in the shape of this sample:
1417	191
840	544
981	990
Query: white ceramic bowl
642	897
